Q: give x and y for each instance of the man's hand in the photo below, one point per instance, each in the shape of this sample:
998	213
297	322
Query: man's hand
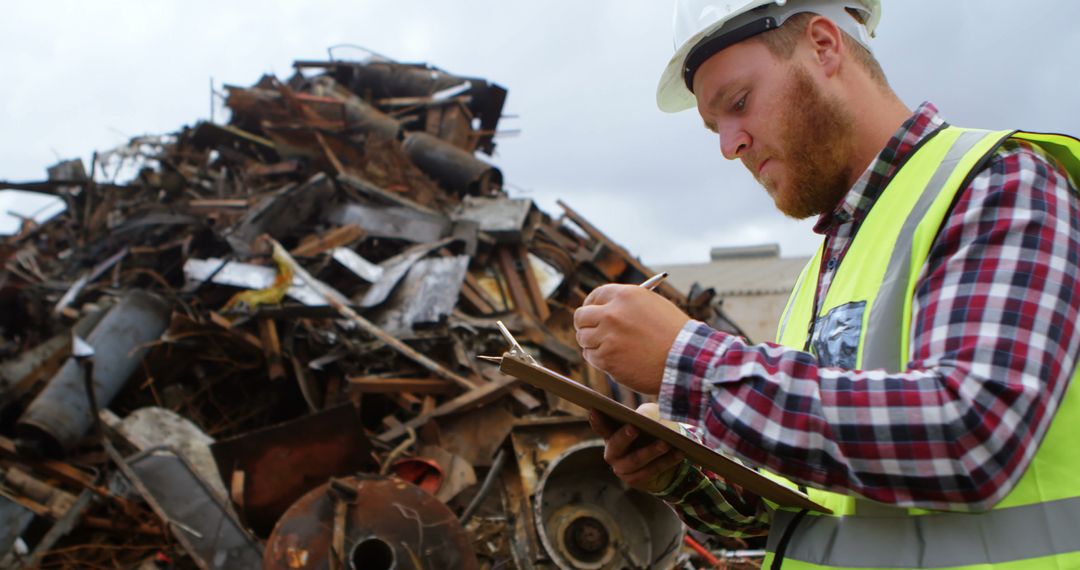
648	468
627	331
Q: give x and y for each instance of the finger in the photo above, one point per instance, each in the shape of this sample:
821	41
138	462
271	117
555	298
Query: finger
648	476
641	458
597	359
590	299
586	317
588	338
668	461
600	295
619	444
601	424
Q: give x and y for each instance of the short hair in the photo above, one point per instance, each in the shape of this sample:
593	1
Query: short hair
781	43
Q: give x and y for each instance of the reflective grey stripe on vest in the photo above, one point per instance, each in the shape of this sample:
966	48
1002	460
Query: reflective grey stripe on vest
941	540
881	346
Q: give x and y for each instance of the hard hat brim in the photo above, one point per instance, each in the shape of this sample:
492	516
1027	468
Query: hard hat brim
672	96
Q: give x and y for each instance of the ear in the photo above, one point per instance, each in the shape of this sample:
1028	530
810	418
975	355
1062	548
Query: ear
826	42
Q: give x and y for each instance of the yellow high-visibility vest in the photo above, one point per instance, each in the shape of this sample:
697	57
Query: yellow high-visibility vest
1037	524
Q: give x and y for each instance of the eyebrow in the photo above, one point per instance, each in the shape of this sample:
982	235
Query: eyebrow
718	96
722	92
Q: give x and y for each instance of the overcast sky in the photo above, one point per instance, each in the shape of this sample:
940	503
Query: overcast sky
81	76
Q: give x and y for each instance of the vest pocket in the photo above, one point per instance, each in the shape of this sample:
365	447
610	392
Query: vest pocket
836	336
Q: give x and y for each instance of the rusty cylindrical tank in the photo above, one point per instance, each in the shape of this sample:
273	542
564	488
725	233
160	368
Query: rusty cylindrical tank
388	525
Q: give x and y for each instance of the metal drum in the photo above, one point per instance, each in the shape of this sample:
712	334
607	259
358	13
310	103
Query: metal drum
388	524
588	520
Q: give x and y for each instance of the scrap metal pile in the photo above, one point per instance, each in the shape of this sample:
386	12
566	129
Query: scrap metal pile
260	351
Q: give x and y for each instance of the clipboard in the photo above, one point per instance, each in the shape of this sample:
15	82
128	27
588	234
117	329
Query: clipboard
523	367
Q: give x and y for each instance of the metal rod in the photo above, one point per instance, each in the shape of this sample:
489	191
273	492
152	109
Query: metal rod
485	488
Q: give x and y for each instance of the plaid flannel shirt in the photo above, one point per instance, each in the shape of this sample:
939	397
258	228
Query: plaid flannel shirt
994	346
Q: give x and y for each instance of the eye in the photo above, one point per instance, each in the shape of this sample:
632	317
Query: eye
740	104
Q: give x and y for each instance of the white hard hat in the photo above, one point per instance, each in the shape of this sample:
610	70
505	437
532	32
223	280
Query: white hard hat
704	27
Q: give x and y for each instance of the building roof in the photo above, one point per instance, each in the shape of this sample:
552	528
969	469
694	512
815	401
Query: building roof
735	271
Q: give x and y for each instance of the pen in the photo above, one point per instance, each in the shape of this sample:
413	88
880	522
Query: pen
653	281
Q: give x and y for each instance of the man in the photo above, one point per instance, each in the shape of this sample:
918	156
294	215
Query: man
921	383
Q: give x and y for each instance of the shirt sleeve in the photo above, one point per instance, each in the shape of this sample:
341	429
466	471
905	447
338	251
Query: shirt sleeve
707	503
994	348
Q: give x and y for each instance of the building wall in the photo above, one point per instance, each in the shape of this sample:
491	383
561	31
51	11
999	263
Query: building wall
756	315
753	281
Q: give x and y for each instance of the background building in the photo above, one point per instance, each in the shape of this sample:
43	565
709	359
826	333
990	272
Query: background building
754	282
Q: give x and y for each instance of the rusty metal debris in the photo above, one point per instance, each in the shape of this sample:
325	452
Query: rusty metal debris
384	524
199	519
270	468
309	286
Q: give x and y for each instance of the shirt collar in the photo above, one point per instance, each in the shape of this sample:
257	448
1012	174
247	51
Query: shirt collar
876	177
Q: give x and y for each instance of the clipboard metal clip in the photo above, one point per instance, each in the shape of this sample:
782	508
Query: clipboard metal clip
515	348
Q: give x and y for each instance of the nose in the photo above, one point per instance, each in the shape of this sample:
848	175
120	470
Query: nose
734	141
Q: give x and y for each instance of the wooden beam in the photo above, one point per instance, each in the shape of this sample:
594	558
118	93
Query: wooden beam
406	401
539	302
592	231
122	526
315	244
475	300
224	322
220	203
474	284
332	158
478	397
369	385
513	282
373	190
271	346
63	472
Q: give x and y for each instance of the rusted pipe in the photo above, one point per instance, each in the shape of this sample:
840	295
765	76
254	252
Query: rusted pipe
60	415
457	170
359	114
383	79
